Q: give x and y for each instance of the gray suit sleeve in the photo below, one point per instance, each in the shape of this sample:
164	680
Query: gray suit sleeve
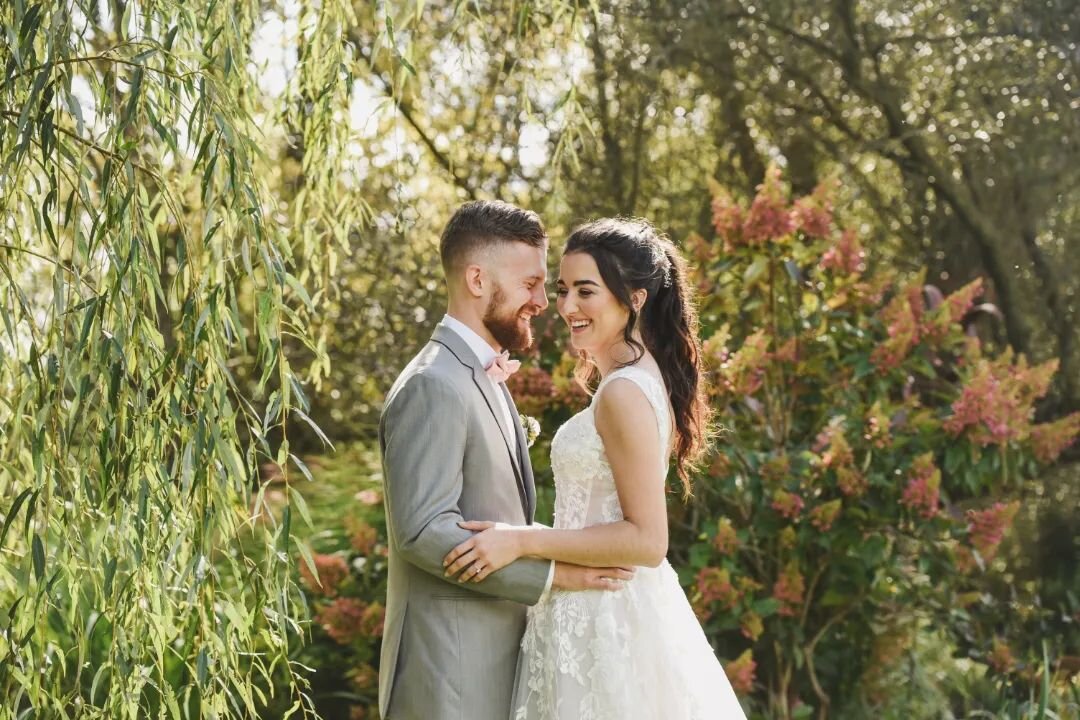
423	452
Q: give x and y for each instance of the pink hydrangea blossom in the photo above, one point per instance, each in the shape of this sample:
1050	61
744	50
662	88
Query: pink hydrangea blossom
924	483
789	589
741	673
823	516
1049	440
788	504
987	528
332	570
715	586
769	216
726	541
997	401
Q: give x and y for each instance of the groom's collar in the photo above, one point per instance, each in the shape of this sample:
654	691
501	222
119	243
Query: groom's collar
479	347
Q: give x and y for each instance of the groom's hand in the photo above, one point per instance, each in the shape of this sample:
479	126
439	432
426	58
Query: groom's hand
576	577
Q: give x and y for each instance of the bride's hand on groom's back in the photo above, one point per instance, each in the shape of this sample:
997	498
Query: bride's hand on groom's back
577	577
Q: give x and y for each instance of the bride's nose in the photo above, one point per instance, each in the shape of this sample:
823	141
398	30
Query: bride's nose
564	304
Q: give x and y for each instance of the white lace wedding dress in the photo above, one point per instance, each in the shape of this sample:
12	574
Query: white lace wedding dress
634	654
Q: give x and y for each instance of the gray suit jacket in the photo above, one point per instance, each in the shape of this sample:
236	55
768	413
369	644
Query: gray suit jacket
450	650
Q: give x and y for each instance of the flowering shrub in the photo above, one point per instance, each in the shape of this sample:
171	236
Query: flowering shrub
864	472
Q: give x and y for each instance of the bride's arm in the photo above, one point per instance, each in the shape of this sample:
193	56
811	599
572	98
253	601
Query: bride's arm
626	423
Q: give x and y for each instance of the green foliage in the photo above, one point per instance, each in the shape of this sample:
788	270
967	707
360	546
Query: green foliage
141	268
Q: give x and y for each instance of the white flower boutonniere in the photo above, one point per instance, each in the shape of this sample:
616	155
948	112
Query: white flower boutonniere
531	426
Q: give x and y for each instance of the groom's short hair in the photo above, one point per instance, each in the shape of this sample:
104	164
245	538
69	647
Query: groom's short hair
481	224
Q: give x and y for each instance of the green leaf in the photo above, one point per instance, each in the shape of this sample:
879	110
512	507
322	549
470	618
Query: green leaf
756	270
13	512
202	667
766	607
30	22
297	499
38	553
313	426
305	553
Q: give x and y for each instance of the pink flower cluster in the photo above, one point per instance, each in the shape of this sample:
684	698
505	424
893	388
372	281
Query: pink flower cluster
751	625
987	528
952	310
788	504
837	450
846	255
715	586
850	481
924	483
776	469
813	214
347	619
363	537
364	677
342	619
332	570
878	426
836	454
726	541
532	388
901	318
1049	440
823	516
789	589
770	217
743	372
997	402
741	673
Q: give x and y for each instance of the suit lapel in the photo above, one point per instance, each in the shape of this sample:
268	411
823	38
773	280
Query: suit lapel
524	462
456	345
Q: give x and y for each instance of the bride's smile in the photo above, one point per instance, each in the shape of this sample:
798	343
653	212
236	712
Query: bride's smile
595	317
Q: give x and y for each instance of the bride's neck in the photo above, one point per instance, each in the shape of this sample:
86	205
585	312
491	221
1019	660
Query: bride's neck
617	355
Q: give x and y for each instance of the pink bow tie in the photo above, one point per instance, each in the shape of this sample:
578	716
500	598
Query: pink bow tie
502	367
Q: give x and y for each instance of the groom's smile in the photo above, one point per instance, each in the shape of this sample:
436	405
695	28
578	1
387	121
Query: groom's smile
518	273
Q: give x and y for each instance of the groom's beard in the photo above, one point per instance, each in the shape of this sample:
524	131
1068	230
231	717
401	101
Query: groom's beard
505	325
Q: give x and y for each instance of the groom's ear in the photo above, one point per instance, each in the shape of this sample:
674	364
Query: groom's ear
475	280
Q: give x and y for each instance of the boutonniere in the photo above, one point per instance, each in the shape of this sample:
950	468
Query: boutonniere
531	426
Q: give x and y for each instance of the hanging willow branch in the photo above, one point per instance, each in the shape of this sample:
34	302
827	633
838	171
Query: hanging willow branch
142	572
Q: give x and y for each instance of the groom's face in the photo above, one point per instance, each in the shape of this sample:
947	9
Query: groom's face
518	273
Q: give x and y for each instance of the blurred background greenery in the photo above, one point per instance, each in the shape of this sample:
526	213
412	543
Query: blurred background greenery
950	132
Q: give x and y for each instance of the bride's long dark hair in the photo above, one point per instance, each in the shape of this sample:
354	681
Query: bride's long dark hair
632	255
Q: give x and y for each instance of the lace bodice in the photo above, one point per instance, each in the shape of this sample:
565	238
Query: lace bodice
585	492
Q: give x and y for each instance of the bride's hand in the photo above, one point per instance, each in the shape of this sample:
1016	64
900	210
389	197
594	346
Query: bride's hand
495	546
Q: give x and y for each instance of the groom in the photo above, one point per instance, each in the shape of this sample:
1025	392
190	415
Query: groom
453	449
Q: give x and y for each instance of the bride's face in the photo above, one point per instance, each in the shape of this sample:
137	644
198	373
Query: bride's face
594	315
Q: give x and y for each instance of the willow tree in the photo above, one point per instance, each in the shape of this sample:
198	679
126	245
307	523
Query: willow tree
143	261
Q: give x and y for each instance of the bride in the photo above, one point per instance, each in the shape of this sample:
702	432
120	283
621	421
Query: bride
637	653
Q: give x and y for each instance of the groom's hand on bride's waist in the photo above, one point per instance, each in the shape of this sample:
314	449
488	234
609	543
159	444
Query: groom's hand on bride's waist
577	577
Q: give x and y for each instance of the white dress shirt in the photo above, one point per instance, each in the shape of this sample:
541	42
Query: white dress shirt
486	354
